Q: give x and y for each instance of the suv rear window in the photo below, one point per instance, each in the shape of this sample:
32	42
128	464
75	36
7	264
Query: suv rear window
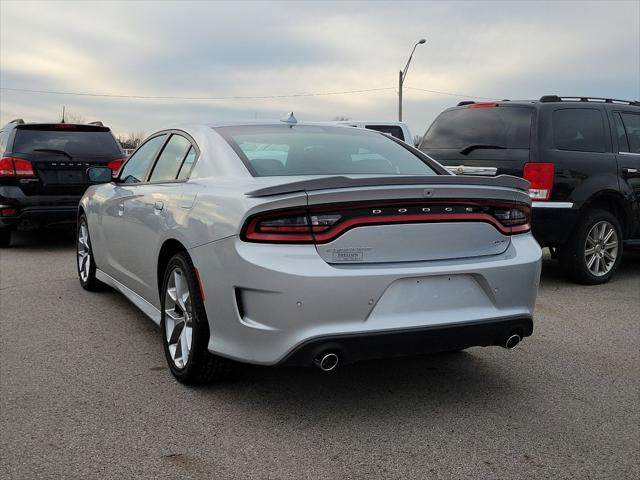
74	140
273	150
503	126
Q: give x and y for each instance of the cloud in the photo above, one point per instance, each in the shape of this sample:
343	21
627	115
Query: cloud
490	49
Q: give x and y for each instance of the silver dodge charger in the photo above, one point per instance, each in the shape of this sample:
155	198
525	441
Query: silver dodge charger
286	243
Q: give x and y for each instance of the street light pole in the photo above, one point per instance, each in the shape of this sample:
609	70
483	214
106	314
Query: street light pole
403	75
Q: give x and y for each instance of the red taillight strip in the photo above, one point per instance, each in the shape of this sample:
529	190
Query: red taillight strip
427	218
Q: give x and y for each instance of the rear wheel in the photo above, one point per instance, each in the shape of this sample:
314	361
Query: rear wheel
185	327
594	250
84	256
5	237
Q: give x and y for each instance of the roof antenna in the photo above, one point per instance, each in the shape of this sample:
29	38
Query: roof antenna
290	119
62	114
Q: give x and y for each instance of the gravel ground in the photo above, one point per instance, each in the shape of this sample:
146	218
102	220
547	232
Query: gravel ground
85	393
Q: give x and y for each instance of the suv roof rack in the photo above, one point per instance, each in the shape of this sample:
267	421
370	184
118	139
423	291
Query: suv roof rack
556	98
19	121
465	102
98	123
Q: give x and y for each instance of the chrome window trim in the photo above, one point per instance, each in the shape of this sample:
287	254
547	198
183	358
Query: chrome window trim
466	170
629	153
552	204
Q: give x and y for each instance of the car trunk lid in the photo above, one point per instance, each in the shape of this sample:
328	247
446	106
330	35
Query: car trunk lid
402	219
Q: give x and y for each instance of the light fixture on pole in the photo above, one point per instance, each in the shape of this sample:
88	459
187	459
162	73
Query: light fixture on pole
403	75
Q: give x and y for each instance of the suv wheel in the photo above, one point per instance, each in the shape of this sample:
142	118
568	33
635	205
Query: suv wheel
5	237
185	329
594	250
84	255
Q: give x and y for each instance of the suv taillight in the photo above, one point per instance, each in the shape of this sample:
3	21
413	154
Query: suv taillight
115	165
541	177
15	167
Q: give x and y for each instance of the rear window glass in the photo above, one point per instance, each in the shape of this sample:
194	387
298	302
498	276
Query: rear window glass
578	129
315	150
73	142
508	127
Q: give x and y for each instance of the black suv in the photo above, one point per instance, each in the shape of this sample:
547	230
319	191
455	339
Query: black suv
582	157
43	171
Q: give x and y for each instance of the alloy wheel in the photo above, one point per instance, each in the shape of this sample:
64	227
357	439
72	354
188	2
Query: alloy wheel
601	248
84	252
178	318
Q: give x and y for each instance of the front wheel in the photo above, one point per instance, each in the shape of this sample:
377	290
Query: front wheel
185	327
594	250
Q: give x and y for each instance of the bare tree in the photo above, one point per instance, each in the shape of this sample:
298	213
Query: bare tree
73	117
131	140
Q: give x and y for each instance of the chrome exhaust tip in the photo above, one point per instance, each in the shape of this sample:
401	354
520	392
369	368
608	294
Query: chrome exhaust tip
512	341
327	361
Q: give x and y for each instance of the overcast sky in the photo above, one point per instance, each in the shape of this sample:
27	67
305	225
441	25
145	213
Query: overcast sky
499	50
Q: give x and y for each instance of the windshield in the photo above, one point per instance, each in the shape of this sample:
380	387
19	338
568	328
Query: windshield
72	142
273	150
505	127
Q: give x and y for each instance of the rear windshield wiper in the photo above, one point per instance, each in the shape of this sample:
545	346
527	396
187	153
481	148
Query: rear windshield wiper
475	146
53	150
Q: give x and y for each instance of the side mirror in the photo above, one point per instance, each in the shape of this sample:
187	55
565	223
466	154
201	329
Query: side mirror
99	174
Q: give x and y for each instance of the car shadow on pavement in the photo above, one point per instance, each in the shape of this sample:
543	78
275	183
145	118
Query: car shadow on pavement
552	270
59	238
429	384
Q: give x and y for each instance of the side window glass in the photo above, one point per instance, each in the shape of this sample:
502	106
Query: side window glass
632	125
171	159
623	145
578	129
187	165
136	167
3	141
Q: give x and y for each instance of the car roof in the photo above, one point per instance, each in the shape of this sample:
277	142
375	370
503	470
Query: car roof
248	123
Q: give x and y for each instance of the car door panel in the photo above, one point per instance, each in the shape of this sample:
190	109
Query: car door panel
627	135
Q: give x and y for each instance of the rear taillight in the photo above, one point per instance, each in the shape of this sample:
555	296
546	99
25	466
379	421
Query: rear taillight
115	165
288	227
15	167
541	177
325	223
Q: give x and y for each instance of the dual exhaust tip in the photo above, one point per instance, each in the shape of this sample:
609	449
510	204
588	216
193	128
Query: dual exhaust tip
329	361
512	341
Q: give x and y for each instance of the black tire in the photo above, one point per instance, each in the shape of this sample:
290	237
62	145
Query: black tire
5	237
88	279
202	367
573	254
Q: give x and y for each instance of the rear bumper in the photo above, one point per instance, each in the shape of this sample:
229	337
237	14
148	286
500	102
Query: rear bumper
366	346
38	210
553	222
265	302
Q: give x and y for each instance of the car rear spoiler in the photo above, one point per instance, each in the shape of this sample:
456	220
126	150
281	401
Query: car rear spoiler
327	183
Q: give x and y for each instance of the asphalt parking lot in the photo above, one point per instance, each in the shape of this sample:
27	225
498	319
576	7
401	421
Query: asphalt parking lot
85	393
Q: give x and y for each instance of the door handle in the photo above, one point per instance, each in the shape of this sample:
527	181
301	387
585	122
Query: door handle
631	171
120	209
158	206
